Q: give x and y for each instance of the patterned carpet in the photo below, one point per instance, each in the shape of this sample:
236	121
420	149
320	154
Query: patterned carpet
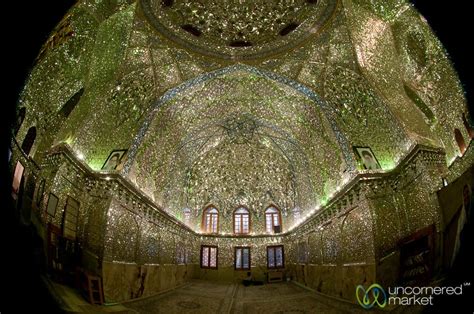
213	297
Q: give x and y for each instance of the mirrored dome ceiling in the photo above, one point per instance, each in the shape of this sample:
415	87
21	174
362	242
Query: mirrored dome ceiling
243	103
238	29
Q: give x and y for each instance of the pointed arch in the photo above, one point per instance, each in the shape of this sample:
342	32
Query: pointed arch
241	220
327	110
210	219
273	223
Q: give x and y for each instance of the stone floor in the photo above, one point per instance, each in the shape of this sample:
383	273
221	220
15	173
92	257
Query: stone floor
207	297
212	297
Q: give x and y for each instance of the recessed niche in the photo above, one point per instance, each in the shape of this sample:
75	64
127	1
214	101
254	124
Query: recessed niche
240	43
167	3
191	29
419	103
417	48
71	104
288	29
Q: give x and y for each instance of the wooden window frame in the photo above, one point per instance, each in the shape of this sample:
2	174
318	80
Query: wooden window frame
274	247
279	220
204	227
235	258
209	256
241	221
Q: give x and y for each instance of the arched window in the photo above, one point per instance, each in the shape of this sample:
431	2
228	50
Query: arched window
210	220
29	140
241	221
460	140
20	119
272	220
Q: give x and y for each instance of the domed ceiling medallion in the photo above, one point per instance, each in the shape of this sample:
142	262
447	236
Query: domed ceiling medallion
238	29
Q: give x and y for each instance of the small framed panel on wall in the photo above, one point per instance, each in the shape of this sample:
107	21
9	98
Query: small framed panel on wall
366	158
114	161
17	178
53	201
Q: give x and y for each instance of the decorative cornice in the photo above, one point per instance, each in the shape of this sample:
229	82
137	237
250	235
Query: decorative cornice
373	184
114	185
363	184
